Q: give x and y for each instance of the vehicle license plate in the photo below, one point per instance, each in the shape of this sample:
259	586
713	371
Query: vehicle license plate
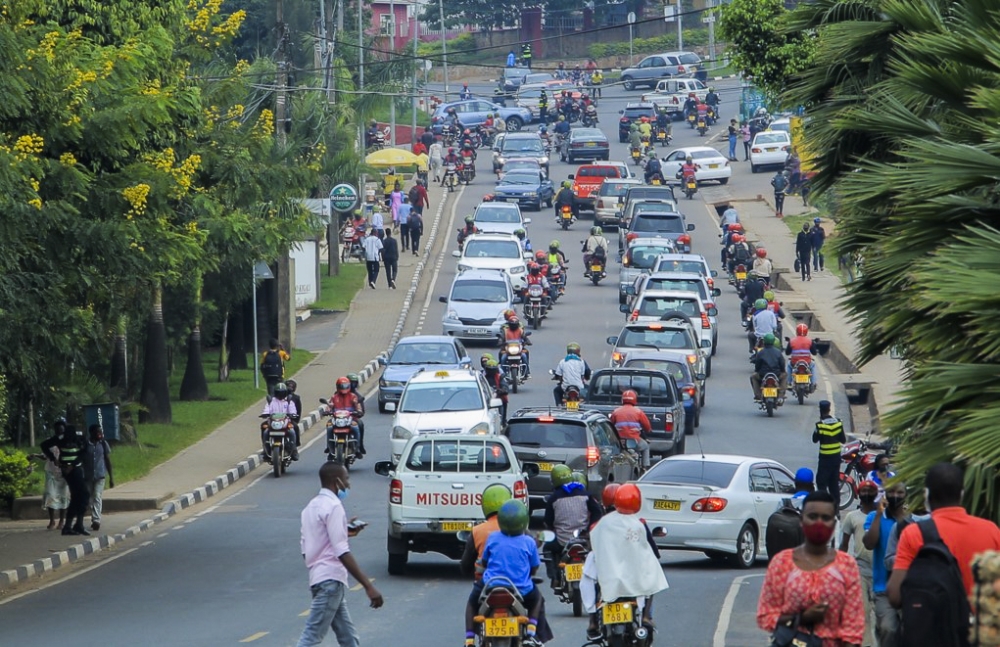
770	150
770	393
617	613
568	215
456	526
801	379
713	166
674	506
479	331
595	268
574	572
545	467
741	276
573	405
501	627
591	144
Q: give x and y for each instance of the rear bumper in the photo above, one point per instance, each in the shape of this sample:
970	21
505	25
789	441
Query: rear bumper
706	534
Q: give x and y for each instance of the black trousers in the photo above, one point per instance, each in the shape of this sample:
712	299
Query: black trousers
779	201
414	239
391	268
79	498
828	476
804	259
373	267
404	235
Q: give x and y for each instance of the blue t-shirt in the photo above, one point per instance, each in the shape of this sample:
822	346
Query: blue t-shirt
511	558
880	575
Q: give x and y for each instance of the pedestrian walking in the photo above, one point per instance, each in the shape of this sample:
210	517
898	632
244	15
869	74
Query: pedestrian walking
419	198
403	221
395	199
803	252
829	433
780	184
734	134
745	131
853	544
817	236
56	497
373	256
390	257
72	446
813	588
378	224
879	527
436	154
416	231
325	547
427	138
511	59
272	364
98	471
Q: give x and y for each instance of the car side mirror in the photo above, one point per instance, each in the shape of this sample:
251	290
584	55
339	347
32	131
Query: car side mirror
495	403
705	343
713	312
716	292
612	340
690	227
382	361
623	308
630	290
323	401
456	254
530	470
570	176
621	112
390	406
443	299
700	377
383	468
527	221
715	273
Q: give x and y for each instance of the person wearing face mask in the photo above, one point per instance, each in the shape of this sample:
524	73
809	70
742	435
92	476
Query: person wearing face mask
881	473
814	587
325	532
853	544
879	525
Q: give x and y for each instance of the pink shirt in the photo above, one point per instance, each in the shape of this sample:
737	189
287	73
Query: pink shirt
279	406
324	538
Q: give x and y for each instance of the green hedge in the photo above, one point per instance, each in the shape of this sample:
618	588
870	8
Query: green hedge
465	43
15	475
642	46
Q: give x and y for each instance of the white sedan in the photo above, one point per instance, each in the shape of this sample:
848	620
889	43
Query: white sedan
769	148
718	504
711	164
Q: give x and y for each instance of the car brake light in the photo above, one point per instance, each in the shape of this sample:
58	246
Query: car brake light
396	492
655	326
705	323
680	69
668	422
709	504
631	237
577	553
784	148
690	390
520	490
624	120
545	419
593	455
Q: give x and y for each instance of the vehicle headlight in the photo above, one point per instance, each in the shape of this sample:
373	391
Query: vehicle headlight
530	194
452	315
463	267
390	383
519	269
401	433
482	428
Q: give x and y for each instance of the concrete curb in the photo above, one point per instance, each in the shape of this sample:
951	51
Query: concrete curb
243	468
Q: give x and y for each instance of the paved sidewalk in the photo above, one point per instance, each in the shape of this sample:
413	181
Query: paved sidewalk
370	327
821	296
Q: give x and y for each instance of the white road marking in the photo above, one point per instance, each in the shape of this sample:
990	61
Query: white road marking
440	261
726	614
68	577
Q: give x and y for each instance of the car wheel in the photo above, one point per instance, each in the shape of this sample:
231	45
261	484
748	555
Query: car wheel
746	547
679	445
628	83
715	345
514	124
381	407
753	168
701	403
689	423
708	367
397	563
724	180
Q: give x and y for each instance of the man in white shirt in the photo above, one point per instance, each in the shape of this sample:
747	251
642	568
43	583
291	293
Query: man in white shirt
378	224
325	548
373	254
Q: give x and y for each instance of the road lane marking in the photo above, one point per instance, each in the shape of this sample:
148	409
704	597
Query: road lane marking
68	577
726	614
440	261
359	586
256	636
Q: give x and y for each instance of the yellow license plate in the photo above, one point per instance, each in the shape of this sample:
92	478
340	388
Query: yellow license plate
655	181
801	379
770	150
770	393
713	166
574	572
500	627
573	405
595	268
741	276
590	144
567	216
667	505
456	526
617	613
545	467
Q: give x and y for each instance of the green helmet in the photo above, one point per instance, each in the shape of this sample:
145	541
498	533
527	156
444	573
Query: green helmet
759	304
470	219
487	357
554	243
777	343
561	475
580	477
520	233
573	347
652	154
354	378
491	363
769	296
567	184
595	231
494	497
513	518
769	339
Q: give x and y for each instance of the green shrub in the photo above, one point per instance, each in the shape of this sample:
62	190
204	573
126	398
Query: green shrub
642	46
15	475
465	43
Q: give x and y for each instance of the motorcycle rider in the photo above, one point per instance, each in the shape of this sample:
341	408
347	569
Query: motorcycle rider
494	496
355	381
634	138
297	401
590	111
712	101
468	230
774	306
450	158
690	105
371	134
344	399
565	197
280	403
466	93
739	252
556	256
632	424
645	130
663	122
702	109
768	360
569	509
753	290
687	170
512	331
572	370
801	349
653	167
763	323
595	245
561	128
522	236
494	377
762	265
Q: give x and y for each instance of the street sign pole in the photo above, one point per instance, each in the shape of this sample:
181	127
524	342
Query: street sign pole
680	29
631	21
260	271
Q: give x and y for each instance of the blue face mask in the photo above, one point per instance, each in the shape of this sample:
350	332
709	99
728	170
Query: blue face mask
342	494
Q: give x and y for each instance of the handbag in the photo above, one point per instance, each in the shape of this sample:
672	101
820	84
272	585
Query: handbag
789	635
798	265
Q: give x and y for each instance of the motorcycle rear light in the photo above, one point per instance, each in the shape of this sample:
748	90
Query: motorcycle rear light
770	382
500	599
521	490
593	455
577	553
741	268
668	422
396	492
709	504
623	120
705	323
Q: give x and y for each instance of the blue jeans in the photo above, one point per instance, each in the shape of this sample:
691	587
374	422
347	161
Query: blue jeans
329	609
732	147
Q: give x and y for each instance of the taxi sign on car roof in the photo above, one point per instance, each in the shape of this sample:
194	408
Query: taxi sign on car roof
441	374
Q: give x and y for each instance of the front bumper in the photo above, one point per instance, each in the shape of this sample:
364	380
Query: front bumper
469	332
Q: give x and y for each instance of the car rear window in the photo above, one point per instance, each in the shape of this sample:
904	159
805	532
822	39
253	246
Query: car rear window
493	248
610	187
680	372
681	285
663	192
540	433
653	390
424	354
644	256
685	472
700	155
497	214
598	171
653	206
656	339
632	113
689	59
651	222
476	291
694	267
433	455
652	306
771	138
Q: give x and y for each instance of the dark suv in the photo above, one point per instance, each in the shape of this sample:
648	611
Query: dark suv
665	224
584	440
634	112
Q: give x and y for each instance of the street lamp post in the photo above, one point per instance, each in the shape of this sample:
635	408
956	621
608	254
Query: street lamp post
260	271
444	47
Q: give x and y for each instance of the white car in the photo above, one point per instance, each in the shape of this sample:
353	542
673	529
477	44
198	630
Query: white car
769	148
436	489
685	263
718	504
499	218
680	281
654	305
455	401
783	124
494	252
711	164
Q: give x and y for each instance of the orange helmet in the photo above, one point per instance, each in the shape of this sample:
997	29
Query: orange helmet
608	496
735	227
509	314
630	397
801	330
540	256
343	384
628	499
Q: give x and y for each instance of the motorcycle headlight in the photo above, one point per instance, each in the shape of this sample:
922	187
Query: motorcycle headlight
483	428
518	269
401	433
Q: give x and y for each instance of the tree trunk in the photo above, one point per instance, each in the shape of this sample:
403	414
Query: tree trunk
237	340
194	386
224	351
155	394
119	360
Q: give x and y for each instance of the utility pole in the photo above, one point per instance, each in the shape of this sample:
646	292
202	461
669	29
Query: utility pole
286	311
413	97
444	47
392	95
711	29
361	77
680	28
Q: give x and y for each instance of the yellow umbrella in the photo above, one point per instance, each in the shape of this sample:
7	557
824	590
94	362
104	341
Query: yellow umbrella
391	157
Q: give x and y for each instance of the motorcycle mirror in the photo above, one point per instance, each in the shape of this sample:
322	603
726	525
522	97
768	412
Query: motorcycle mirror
530	470
464	535
383	468
323	401
545	536
443	299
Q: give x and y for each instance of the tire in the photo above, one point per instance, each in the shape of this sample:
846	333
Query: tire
770	408
746	547
724	181
276	462
801	395
397	563
514	124
679	447
689	424
340	455
345	252
595	278
628	83
715	346
548	203
569	159
708	367
847	494
514	382
536	322
753	167
577	604
701	403
381	407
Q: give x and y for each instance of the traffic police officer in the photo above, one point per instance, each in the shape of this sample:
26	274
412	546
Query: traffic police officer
829	433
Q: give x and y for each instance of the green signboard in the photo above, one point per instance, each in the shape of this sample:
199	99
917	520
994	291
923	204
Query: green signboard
343	198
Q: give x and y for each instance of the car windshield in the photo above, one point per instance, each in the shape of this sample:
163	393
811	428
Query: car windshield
634	113
609	187
428	397
513	145
515	72
689	59
531	433
652	338
424	354
668	224
493	248
444	455
771	138
589	134
681	285
652	306
679	371
695	267
540	77
519	179
700	155
642	257
783	126
479	291
521	165
685	472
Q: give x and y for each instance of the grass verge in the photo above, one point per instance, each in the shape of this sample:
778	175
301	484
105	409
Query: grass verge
337	292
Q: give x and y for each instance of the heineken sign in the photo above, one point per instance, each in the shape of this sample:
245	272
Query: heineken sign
343	197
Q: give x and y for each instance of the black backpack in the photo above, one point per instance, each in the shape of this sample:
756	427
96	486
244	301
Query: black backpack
935	607
271	366
741	252
784	529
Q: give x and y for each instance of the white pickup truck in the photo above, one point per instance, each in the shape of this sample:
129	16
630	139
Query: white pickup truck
436	491
672	93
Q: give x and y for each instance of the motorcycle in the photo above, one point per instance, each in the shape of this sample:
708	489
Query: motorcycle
620	624
596	266
279	441
656	179
571	394
341	442
502	615
451	176
569	572
692	119
557	282
802	379
566	217
770	390
466	172
690	187
350	246
740	279
702	126
590	118
513	363
858	457
662	138
533	307
636	155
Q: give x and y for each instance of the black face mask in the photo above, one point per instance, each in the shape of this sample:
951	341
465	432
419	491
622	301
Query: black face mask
867	499
895	501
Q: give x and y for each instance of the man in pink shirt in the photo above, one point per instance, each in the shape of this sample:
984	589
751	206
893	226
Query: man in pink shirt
327	553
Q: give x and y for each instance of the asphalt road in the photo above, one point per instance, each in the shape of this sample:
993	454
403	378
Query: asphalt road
233	573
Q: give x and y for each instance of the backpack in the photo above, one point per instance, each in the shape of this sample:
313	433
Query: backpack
784	529
779	183
271	366
414	195
935	607
741	253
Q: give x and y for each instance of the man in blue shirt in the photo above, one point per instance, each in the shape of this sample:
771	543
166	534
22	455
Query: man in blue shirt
878	528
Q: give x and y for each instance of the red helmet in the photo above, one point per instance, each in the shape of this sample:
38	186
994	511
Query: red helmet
608	496
509	314
761	252
867	484
735	227
801	330
737	238
488	197
540	255
628	499
630	397
343	384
